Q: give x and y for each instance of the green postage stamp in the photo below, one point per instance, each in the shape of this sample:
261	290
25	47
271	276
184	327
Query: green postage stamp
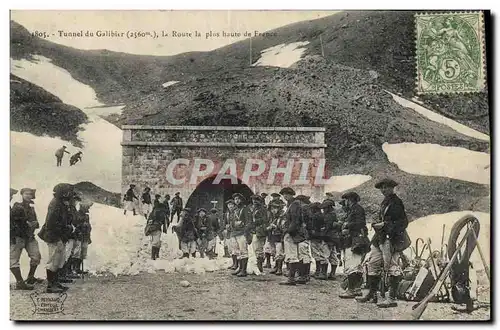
450	52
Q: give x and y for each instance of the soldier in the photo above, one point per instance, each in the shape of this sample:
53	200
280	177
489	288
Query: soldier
202	226
176	206
241	237
332	235
228	241
260	219
60	154
276	197
355	244
69	239
213	230
304	247
294	240
83	229
53	232
319	248
147	206
75	158
264	196
23	222
387	243
275	230
189	235
130	199
166	202
157	223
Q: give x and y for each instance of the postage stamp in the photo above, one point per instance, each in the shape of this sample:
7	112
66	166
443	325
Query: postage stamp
450	52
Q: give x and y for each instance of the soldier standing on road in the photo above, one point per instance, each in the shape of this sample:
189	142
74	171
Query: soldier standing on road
304	247
241	227
203	228
130	199
355	244
23	222
260	218
189	234
147	206
213	230
332	235
275	237
83	229
157	223
387	243
319	248
53	232
176	206
69	239
60	154
294	240
228	237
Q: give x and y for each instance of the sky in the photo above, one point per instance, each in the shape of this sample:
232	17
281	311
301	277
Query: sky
121	21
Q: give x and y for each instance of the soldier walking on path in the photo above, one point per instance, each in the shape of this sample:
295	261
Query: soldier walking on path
23	222
60	154
389	241
130	200
355	244
176	206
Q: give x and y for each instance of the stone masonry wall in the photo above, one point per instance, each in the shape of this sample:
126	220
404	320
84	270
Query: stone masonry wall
147	151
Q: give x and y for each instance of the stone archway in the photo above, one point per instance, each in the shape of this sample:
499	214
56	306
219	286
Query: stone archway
207	191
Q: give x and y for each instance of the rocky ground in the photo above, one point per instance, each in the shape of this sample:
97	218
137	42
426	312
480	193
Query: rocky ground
220	296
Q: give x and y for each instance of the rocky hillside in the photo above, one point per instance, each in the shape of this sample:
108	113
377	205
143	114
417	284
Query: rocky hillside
36	111
382	41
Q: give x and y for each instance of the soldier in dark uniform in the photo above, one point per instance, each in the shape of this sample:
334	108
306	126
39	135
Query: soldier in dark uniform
319	248
176	206
53	232
147	206
203	227
189	235
213	230
260	219
23	222
387	244
355	244
157	222
241	228
228	240
276	197
130	199
264	196
332	235
275	237
82	230
294	239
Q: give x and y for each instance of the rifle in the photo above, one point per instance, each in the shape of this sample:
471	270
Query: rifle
419	308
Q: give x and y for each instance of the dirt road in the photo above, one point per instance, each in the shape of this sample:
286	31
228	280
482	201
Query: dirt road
219	296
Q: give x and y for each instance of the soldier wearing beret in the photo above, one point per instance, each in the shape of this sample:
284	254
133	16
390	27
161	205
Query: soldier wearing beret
157	222
205	233
389	241
241	232
213	228
275	237
332	235
355	244
228	241
320	250
294	240
260	218
23	222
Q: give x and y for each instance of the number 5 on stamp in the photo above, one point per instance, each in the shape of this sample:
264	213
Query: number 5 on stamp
450	52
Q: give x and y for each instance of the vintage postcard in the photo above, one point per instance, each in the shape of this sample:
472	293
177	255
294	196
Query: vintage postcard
250	165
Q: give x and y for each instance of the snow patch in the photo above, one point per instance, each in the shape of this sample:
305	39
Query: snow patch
283	55
59	82
170	83
345	182
460	128
436	160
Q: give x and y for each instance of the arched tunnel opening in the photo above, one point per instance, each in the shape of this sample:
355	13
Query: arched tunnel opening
207	192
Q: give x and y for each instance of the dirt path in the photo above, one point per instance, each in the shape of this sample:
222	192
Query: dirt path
218	296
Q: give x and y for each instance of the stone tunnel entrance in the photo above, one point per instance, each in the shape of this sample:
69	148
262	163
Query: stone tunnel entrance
207	192
167	159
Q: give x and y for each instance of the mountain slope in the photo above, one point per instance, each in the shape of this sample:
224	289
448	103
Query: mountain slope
36	111
382	41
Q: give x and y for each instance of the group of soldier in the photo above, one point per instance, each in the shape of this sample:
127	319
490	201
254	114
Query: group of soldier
66	231
75	158
291	229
